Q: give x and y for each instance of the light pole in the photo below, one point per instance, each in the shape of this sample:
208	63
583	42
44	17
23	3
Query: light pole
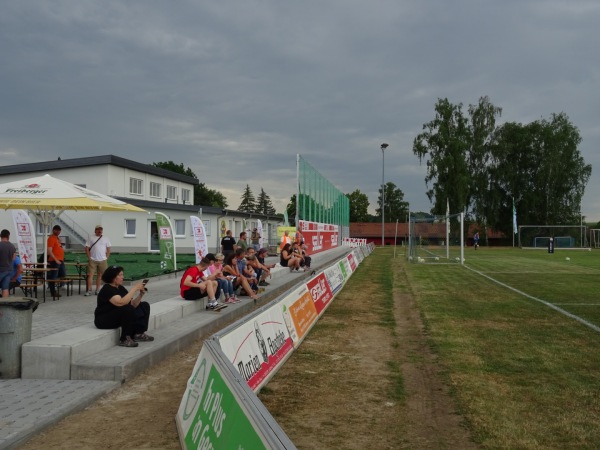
383	147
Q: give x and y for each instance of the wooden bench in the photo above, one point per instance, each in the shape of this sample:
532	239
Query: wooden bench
57	282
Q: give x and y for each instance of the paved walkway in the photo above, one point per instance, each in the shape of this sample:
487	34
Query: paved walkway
29	406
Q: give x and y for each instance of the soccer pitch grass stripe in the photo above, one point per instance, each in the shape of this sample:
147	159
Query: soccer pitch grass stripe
544	302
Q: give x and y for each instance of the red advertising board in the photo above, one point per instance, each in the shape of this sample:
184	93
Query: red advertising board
318	237
320	292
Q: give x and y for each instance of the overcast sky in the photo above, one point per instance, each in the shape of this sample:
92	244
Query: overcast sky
235	89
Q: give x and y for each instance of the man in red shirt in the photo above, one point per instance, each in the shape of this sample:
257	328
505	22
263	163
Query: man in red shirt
56	260
193	287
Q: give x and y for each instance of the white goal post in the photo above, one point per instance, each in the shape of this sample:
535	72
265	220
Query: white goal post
437	239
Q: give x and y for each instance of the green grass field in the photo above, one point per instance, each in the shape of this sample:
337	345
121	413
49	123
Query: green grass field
524	375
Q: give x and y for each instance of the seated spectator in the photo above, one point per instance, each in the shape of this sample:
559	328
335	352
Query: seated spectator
301	254
17	274
117	307
287	258
193	287
262	271
230	269
215	270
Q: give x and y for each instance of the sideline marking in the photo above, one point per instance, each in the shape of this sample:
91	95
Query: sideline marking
544	302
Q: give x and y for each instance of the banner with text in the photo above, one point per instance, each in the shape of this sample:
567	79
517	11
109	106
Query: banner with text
166	242
200	243
25	236
318	237
209	414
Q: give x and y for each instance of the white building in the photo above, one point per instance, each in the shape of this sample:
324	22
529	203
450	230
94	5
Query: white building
142	185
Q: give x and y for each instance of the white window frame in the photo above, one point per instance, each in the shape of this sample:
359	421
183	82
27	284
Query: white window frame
186	196
155	187
134	223
177	230
207	227
171	192
134	184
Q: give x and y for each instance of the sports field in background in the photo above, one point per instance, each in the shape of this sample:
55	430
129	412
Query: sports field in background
517	333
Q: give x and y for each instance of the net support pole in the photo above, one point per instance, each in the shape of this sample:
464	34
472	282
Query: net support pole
396	239
462	237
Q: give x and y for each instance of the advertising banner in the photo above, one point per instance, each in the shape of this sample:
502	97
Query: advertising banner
25	236
352	261
320	292
318	237
299	313
334	276
166	242
200	244
258	347
345	268
209	414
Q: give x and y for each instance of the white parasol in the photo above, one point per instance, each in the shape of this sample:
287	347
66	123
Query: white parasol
47	198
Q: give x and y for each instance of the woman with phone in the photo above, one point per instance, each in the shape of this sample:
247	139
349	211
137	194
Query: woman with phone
117	307
230	270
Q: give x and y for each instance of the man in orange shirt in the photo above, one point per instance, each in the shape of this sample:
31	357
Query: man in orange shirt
56	259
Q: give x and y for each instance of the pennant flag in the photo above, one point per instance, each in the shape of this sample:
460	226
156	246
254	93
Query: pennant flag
25	236
515	229
166	242
200	244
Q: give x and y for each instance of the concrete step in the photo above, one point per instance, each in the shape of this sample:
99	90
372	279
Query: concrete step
87	353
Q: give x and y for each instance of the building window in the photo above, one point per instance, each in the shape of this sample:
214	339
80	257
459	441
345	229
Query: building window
130	227
171	192
154	189
185	196
135	186
207	227
179	228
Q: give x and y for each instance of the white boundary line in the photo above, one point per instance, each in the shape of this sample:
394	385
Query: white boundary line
544	302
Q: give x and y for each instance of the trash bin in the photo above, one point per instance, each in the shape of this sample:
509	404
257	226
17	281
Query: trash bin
15	330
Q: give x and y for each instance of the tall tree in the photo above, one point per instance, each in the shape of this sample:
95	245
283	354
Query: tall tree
444	145
359	204
540	166
291	210
395	206
264	204
202	194
248	201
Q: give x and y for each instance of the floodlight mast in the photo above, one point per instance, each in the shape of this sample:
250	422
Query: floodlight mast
383	147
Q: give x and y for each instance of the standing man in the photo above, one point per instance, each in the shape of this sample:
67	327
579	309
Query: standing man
285	239
97	249
476	240
255	240
56	259
7	256
242	242
227	244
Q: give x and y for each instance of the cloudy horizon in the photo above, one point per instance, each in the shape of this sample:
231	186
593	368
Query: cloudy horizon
234	90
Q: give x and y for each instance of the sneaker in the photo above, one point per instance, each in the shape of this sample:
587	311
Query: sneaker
235	299
143	337
88	293
128	342
95	292
263	283
213	305
230	300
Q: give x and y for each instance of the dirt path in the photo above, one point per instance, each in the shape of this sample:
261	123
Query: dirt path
358	381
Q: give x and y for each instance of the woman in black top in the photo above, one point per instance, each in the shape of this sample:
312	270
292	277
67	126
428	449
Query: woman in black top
117	307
